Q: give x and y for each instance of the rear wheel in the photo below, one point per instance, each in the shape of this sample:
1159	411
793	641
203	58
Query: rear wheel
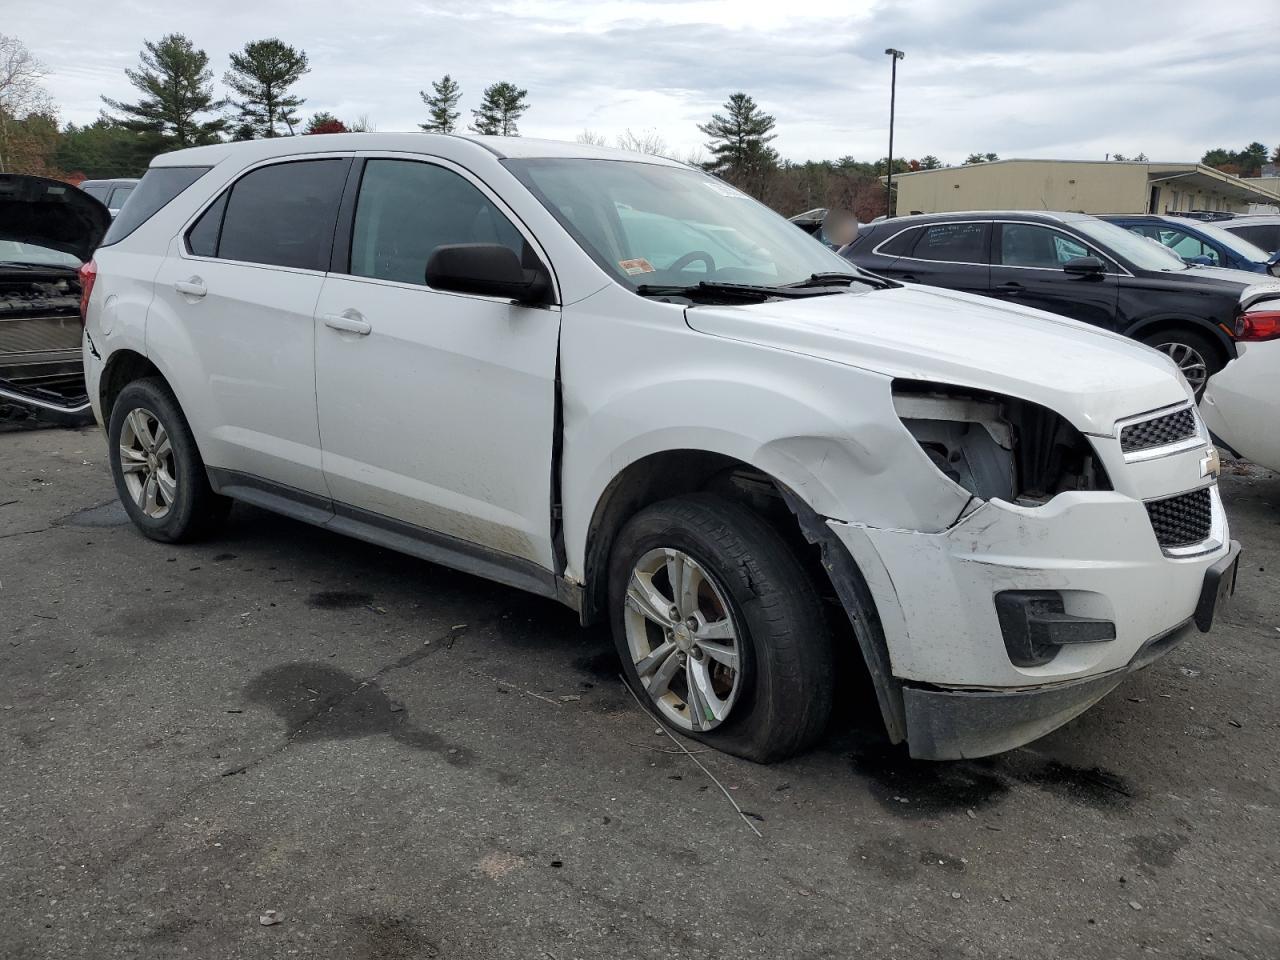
719	629
1196	355
157	469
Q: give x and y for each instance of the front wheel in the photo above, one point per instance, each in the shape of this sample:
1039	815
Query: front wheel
1195	354
719	628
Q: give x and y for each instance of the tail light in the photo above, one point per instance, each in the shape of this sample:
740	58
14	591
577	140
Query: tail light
88	274
1258	325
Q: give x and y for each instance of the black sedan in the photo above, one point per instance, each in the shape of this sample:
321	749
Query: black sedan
1075	265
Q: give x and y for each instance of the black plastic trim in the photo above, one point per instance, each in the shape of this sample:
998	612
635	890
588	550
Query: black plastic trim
395	535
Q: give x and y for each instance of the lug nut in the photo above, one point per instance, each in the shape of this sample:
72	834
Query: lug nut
673	612
697	654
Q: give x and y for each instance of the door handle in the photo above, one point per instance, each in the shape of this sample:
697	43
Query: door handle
908	278
350	322
1012	288
191	288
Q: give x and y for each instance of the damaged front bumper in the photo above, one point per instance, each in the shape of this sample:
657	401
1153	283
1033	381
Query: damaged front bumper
962	694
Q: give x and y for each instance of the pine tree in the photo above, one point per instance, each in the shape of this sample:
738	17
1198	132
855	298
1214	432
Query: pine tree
930	162
740	138
441	105
261	74
502	106
177	86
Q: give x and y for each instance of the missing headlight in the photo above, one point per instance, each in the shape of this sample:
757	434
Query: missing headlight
998	447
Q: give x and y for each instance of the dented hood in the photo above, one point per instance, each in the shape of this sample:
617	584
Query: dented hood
51	214
1091	377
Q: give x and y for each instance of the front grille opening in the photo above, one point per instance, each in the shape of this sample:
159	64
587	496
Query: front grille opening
1183	520
1158	431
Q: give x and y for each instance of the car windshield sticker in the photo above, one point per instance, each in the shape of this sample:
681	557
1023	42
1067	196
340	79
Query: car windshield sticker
633	267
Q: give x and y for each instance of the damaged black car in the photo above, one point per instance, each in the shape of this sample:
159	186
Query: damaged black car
48	230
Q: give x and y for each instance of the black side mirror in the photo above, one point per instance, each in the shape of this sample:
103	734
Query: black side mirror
488	269
1085	267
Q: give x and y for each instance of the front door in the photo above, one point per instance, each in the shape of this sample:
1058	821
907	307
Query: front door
436	409
1026	269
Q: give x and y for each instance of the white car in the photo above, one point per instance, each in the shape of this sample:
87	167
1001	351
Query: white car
1241	404
619	382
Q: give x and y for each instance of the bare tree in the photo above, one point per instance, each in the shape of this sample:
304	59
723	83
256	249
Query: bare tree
21	92
650	142
592	139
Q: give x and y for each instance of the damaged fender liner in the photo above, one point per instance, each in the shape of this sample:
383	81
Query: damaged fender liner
959	724
860	607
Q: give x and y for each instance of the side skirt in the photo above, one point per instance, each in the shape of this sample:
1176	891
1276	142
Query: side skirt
395	535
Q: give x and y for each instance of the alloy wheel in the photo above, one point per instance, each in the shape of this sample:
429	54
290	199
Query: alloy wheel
1190	361
682	639
147	463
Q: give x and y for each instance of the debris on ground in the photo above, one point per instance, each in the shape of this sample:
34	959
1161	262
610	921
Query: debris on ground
270	918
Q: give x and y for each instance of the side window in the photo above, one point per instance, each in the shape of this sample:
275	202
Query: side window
901	244
1186	246
202	238
284	215
1266	236
118	196
952	243
98	192
407	208
1032	245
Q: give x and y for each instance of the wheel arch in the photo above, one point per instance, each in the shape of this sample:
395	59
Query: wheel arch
123	367
1147	326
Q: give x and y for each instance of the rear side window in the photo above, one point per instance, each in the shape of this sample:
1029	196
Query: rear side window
202	238
953	243
158	186
98	192
118	196
282	215
1264	235
901	244
406	209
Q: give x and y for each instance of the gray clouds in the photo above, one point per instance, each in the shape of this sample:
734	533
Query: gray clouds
1069	79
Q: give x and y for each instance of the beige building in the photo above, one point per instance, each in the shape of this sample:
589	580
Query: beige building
1085	186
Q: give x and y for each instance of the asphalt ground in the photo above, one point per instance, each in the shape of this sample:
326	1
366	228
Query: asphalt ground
406	762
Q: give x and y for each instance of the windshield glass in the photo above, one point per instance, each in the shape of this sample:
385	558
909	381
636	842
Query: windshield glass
12	251
656	225
1142	253
1234	242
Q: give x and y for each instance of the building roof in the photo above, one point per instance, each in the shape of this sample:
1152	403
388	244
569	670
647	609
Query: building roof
1192	174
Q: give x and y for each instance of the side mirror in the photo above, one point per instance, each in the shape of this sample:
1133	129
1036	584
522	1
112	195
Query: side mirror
488	269
1200	261
1085	267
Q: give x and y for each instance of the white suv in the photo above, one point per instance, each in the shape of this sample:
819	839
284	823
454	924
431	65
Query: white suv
616	381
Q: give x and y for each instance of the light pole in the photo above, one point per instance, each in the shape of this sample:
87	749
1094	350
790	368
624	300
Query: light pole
893	89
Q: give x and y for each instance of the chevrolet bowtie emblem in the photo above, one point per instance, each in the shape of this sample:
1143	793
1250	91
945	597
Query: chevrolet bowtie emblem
1211	466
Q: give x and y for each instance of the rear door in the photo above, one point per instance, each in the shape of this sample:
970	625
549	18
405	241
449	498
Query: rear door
953	255
436	408
240	288
1027	269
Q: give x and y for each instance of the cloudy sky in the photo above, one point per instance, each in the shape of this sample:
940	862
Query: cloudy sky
1073	78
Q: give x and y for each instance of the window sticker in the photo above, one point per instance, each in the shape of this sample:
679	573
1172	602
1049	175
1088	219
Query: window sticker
637	266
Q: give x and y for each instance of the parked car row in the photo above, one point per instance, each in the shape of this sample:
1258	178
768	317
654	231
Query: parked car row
1076	266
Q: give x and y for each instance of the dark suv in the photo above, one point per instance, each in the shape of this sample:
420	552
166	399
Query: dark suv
1075	265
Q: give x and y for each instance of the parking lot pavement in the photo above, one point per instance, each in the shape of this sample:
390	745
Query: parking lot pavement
406	762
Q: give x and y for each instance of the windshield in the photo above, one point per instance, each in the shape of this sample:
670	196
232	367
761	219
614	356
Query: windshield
651	225
1142	253
1234	242
12	251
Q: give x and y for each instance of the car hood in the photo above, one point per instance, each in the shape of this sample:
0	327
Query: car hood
1091	377
52	214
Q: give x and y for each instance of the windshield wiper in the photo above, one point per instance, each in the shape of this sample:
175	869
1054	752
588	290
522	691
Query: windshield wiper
746	292
831	278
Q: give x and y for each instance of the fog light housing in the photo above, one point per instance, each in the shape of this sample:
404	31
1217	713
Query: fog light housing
1036	626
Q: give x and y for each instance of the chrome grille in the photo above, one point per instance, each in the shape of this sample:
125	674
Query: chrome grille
1182	520
1158	431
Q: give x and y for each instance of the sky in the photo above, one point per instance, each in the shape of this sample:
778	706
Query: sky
1072	79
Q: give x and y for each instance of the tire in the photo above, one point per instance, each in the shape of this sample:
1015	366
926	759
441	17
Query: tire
1197	356
157	469
745	580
